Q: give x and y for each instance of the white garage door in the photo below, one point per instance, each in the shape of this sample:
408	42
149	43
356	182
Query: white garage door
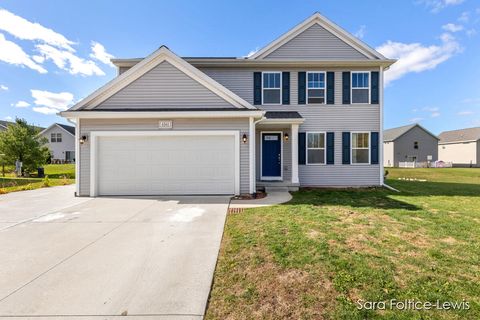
166	165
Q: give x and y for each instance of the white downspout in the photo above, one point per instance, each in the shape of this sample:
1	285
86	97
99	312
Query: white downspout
380	136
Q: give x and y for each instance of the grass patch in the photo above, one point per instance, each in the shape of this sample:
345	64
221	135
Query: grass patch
58	175
316	256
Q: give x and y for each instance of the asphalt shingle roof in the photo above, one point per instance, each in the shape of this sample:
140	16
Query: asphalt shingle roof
394	133
282	115
469	134
68	128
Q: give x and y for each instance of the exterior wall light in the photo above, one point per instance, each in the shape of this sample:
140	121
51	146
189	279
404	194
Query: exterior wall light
286	136
83	139
244	138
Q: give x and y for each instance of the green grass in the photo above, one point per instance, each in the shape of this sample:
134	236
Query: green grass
58	174
316	256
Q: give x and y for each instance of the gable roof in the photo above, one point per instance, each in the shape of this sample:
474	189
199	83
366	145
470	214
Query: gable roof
395	133
461	135
147	64
68	129
319	19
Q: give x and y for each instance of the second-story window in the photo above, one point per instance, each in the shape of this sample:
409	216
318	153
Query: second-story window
56	137
272	87
316	87
360	87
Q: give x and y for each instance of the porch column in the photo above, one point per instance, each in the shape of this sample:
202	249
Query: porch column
251	153
294	135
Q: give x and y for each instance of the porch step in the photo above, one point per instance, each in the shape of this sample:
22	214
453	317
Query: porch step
269	189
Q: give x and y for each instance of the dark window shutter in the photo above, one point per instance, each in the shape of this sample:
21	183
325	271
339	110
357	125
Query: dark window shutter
345	147
285	87
375	88
257	88
374	148
302	89
330	147
346	87
301	147
330	87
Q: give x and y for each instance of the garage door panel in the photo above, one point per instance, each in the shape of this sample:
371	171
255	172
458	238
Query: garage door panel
150	165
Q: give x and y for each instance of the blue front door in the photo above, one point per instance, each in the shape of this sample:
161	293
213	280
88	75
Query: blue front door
271	155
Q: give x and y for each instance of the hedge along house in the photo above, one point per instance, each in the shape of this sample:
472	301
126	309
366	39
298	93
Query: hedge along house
411	143
306	110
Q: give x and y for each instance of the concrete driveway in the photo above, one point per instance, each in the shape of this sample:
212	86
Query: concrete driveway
141	257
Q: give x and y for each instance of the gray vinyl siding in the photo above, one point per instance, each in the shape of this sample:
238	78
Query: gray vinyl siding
335	118
164	87
427	145
316	43
88	125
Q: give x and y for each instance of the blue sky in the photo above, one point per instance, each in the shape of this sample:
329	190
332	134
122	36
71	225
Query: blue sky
44	67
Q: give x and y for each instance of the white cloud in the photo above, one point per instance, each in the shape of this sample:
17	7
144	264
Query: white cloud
464	17
465	113
437	5
435	114
471	100
3	87
26	30
416	119
22	104
416	57
471	32
12	53
452	27
99	53
8	118
67	61
361	32
51	103
252	52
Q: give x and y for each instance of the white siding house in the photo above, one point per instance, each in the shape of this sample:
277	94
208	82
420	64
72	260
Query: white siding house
61	142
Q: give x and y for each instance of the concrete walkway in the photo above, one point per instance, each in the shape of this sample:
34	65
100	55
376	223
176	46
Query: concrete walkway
271	199
145	257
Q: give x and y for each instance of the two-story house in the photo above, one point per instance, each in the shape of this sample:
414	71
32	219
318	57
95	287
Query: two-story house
306	110
61	142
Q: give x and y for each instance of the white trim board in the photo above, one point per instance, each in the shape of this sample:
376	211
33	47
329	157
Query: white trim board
279	178
319	19
147	64
94	135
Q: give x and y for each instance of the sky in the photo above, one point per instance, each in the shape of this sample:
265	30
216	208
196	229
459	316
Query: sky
54	53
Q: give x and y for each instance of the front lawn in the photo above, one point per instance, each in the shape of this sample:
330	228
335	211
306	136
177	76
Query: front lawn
58	174
316	256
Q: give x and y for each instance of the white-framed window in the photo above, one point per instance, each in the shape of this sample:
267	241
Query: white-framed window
360	149
361	87
316	149
271	87
55	137
316	83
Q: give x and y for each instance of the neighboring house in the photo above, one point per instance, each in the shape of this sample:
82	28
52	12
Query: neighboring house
306	110
461	147
411	143
61	142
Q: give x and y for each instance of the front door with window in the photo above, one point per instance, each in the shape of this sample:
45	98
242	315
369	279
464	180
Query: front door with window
272	156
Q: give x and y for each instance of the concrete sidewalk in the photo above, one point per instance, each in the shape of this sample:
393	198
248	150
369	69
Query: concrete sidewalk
271	199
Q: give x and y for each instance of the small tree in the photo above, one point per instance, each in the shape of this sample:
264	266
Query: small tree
21	142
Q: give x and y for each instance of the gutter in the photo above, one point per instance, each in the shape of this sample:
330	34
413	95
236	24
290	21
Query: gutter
390	187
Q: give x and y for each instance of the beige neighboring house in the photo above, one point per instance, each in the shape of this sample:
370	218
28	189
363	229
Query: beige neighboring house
461	147
61	142
411	143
